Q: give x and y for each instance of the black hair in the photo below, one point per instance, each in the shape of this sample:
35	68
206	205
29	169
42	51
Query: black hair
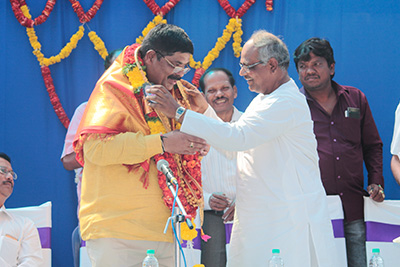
319	47
209	71
166	39
5	156
111	57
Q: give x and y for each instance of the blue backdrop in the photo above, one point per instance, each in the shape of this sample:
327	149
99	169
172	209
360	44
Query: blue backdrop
365	36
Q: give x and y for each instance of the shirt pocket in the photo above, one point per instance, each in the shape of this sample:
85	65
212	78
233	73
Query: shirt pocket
9	247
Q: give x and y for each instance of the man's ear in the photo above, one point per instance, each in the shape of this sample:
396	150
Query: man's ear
234	91
273	64
150	56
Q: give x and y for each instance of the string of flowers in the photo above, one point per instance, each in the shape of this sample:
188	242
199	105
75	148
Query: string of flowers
155	8
48	80
64	53
269	4
231	12
157	20
54	99
234	25
18	7
186	168
86	17
98	44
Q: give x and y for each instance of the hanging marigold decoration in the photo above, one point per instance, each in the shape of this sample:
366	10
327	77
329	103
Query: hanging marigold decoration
157	20
269	5
98	44
156	8
86	17
18	7
231	12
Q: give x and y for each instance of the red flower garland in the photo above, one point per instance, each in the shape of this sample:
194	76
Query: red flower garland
26	22
231	12
156	8
269	5
197	75
55	101
86	17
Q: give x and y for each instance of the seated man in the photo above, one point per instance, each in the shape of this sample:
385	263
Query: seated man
19	238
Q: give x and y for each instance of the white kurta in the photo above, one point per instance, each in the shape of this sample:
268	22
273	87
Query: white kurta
280	200
395	146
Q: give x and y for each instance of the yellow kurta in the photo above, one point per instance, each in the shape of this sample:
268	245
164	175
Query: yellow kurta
114	143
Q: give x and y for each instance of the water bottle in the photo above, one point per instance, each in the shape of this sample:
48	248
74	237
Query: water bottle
276	260
376	259
150	260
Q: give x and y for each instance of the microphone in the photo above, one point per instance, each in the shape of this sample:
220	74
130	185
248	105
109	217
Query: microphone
163	166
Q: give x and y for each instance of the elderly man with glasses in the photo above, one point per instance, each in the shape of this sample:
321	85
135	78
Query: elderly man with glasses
19	238
280	200
125	202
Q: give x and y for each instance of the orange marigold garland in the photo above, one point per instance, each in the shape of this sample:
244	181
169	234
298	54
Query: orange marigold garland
17	5
231	12
186	168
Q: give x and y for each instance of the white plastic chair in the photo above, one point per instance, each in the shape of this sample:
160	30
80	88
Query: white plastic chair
382	224
41	217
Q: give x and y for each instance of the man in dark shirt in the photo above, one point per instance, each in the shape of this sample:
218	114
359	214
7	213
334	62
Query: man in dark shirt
347	135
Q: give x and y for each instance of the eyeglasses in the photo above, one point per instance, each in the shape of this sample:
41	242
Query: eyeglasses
184	69
247	68
3	170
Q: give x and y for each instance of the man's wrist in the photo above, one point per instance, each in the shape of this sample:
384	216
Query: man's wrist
179	112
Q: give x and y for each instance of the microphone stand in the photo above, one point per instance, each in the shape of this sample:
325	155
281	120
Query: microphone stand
177	219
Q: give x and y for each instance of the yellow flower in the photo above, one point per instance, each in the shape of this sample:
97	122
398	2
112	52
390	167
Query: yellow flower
98	44
186	233
135	78
157	20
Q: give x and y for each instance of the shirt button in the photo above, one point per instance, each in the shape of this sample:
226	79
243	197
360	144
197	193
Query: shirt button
341	194
338	177
334	140
332	123
337	158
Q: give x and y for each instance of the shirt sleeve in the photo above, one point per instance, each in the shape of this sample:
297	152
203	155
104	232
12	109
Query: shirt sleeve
123	148
72	128
395	146
30	253
264	121
372	146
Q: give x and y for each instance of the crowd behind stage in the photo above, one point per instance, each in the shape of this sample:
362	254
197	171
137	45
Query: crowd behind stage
267	169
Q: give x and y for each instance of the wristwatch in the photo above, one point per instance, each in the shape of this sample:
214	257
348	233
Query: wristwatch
179	112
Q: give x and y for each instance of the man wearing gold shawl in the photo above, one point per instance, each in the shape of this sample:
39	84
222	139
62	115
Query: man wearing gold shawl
125	202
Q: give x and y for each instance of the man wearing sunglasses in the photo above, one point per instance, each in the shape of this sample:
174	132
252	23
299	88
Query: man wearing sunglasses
19	238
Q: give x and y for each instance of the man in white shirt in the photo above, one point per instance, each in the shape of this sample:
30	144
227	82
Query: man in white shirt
280	199
19	238
395	147
218	169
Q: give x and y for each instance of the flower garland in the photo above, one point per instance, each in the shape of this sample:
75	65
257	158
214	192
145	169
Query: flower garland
234	25
186	168
98	44
157	20
55	101
86	17
18	7
64	53
231	12
156	8
269	5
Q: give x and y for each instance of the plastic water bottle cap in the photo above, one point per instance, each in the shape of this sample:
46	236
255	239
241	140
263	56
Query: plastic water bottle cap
276	250
376	250
150	251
